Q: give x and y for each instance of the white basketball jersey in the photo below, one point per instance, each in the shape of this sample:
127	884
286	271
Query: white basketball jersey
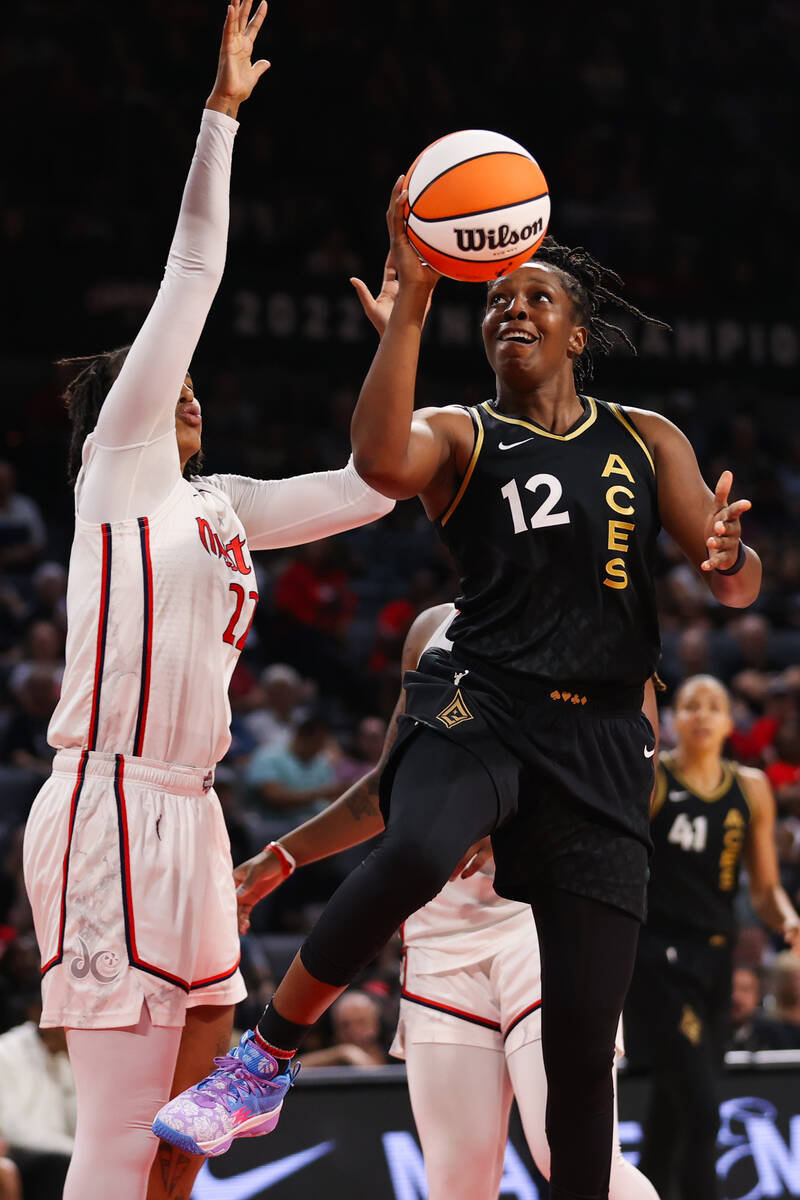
158	609
464	922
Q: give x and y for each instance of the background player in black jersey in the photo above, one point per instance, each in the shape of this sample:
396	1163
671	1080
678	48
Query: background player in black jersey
709	815
531	727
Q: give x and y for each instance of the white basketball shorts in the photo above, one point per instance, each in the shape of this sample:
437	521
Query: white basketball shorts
128	869
495	1004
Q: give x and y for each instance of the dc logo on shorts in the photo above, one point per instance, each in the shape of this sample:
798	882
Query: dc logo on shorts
208	781
455	713
104	965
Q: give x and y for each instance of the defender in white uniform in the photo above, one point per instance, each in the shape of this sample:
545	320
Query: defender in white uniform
127	860
471	995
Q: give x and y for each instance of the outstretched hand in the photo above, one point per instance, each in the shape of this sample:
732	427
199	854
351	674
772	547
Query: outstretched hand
379	308
724	529
237	75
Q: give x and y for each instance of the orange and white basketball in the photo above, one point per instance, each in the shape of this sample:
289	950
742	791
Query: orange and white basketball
478	205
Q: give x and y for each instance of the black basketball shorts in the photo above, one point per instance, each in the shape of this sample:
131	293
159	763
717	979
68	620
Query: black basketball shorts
572	770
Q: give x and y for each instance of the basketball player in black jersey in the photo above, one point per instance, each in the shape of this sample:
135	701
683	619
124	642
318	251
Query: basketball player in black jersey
531	727
709	815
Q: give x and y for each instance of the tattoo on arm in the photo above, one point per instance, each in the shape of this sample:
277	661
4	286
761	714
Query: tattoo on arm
363	801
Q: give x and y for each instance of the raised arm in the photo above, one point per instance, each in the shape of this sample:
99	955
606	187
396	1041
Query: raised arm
140	407
397	451
304	508
703	523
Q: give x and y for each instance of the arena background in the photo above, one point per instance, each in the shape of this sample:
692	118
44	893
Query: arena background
668	137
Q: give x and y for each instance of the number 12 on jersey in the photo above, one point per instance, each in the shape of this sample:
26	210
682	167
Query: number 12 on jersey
544	514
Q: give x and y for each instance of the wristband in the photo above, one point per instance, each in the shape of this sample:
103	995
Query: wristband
288	864
741	559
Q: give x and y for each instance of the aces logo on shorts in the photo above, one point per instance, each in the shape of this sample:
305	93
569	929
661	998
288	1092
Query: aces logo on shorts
455	713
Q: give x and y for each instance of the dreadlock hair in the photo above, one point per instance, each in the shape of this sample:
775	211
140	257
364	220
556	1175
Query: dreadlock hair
84	397
585	280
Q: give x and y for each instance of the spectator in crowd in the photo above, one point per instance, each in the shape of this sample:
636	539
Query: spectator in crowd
785	986
751	1028
44	647
752	738
366	749
783	771
284	691
37	1103
313	590
24	741
297	780
22	530
49	602
753	644
356	1031
314	605
752	948
20	976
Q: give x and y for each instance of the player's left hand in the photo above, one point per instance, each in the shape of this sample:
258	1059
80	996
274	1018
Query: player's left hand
476	857
254	880
379	308
237	75
723	529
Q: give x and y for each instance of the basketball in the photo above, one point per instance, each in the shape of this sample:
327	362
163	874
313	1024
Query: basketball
478	205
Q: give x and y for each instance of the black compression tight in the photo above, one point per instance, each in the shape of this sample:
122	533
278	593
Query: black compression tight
587	950
443	801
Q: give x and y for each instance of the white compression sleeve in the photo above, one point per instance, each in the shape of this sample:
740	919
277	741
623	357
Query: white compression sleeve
289	512
131	459
463	1144
122	1078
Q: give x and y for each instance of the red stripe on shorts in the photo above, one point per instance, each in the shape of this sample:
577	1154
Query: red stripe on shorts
134	957
76	791
450	1010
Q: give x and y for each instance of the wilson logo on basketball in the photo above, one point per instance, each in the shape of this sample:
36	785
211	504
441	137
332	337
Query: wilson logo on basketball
495	239
232	553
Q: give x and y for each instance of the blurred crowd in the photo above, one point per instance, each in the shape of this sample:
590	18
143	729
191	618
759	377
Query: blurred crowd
657	157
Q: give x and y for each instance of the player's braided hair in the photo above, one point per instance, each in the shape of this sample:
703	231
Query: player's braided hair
84	397
585	282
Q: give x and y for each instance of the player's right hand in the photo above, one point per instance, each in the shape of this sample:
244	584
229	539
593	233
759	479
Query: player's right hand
411	270
254	880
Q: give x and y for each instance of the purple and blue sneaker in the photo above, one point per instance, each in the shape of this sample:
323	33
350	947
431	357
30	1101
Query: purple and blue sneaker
242	1098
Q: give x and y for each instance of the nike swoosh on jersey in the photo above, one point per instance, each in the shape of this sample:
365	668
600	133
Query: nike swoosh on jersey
251	1183
649	753
677	797
511	445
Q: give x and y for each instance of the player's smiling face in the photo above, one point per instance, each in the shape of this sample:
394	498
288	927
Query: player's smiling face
188	422
702	715
529	328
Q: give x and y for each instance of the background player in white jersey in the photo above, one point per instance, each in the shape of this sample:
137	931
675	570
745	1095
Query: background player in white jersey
471	995
127	860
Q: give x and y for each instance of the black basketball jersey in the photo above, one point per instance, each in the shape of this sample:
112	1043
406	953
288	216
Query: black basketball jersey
698	841
554	537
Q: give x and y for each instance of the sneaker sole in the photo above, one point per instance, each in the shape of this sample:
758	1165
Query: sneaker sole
255	1127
